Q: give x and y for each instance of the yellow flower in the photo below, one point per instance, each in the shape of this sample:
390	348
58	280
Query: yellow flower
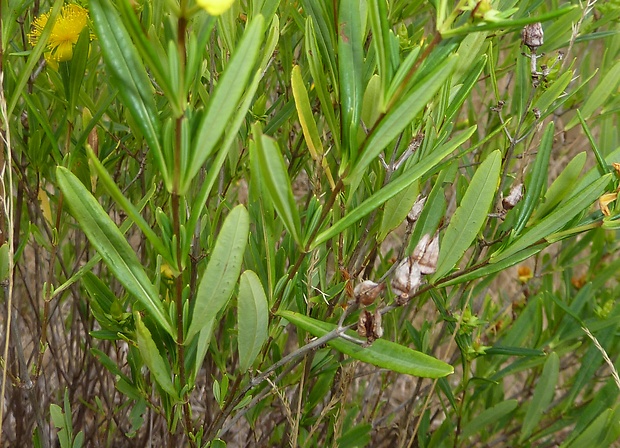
215	7
524	273
605	200
65	32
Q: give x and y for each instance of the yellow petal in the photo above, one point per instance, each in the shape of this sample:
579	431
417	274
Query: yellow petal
215	7
605	200
64	52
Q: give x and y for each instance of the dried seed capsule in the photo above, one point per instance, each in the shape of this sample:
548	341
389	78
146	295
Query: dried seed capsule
416	210
516	194
428	261
407	278
367	291
533	36
369	326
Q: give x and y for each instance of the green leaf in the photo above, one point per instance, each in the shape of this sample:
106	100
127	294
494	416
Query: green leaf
149	53
464	91
561	186
253	319
397	209
543	394
603	431
355	437
604	88
5	262
153	359
491	268
556	219
379	24
317	70
537	180
222	272
488	417
381	353
308	125
274	176
350	61
507	24
216	166
402	114
129	76
110	243
394	187
224	102
471	214
132	212
77	68
554	91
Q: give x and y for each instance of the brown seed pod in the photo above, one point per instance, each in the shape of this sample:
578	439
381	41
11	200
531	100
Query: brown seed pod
407	278
367	291
426	253
369	326
516	194
533	36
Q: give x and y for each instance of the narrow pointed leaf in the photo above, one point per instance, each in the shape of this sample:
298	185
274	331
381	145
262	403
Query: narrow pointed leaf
129	75
132	212
402	113
381	353
561	186
394	187
556	219
471	214
222	272
488	417
537	180
543	394
226	97
274	176
350	60
110	243
253	318
152	358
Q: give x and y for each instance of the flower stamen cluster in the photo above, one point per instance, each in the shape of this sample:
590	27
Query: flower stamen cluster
65	32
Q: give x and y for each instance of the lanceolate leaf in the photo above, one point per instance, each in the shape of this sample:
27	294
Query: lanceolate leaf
273	175
402	113
471	214
381	353
114	249
350	60
488	417
152	358
394	187
543	394
537	179
225	100
133	212
222	271
556	219
253	318
131	79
